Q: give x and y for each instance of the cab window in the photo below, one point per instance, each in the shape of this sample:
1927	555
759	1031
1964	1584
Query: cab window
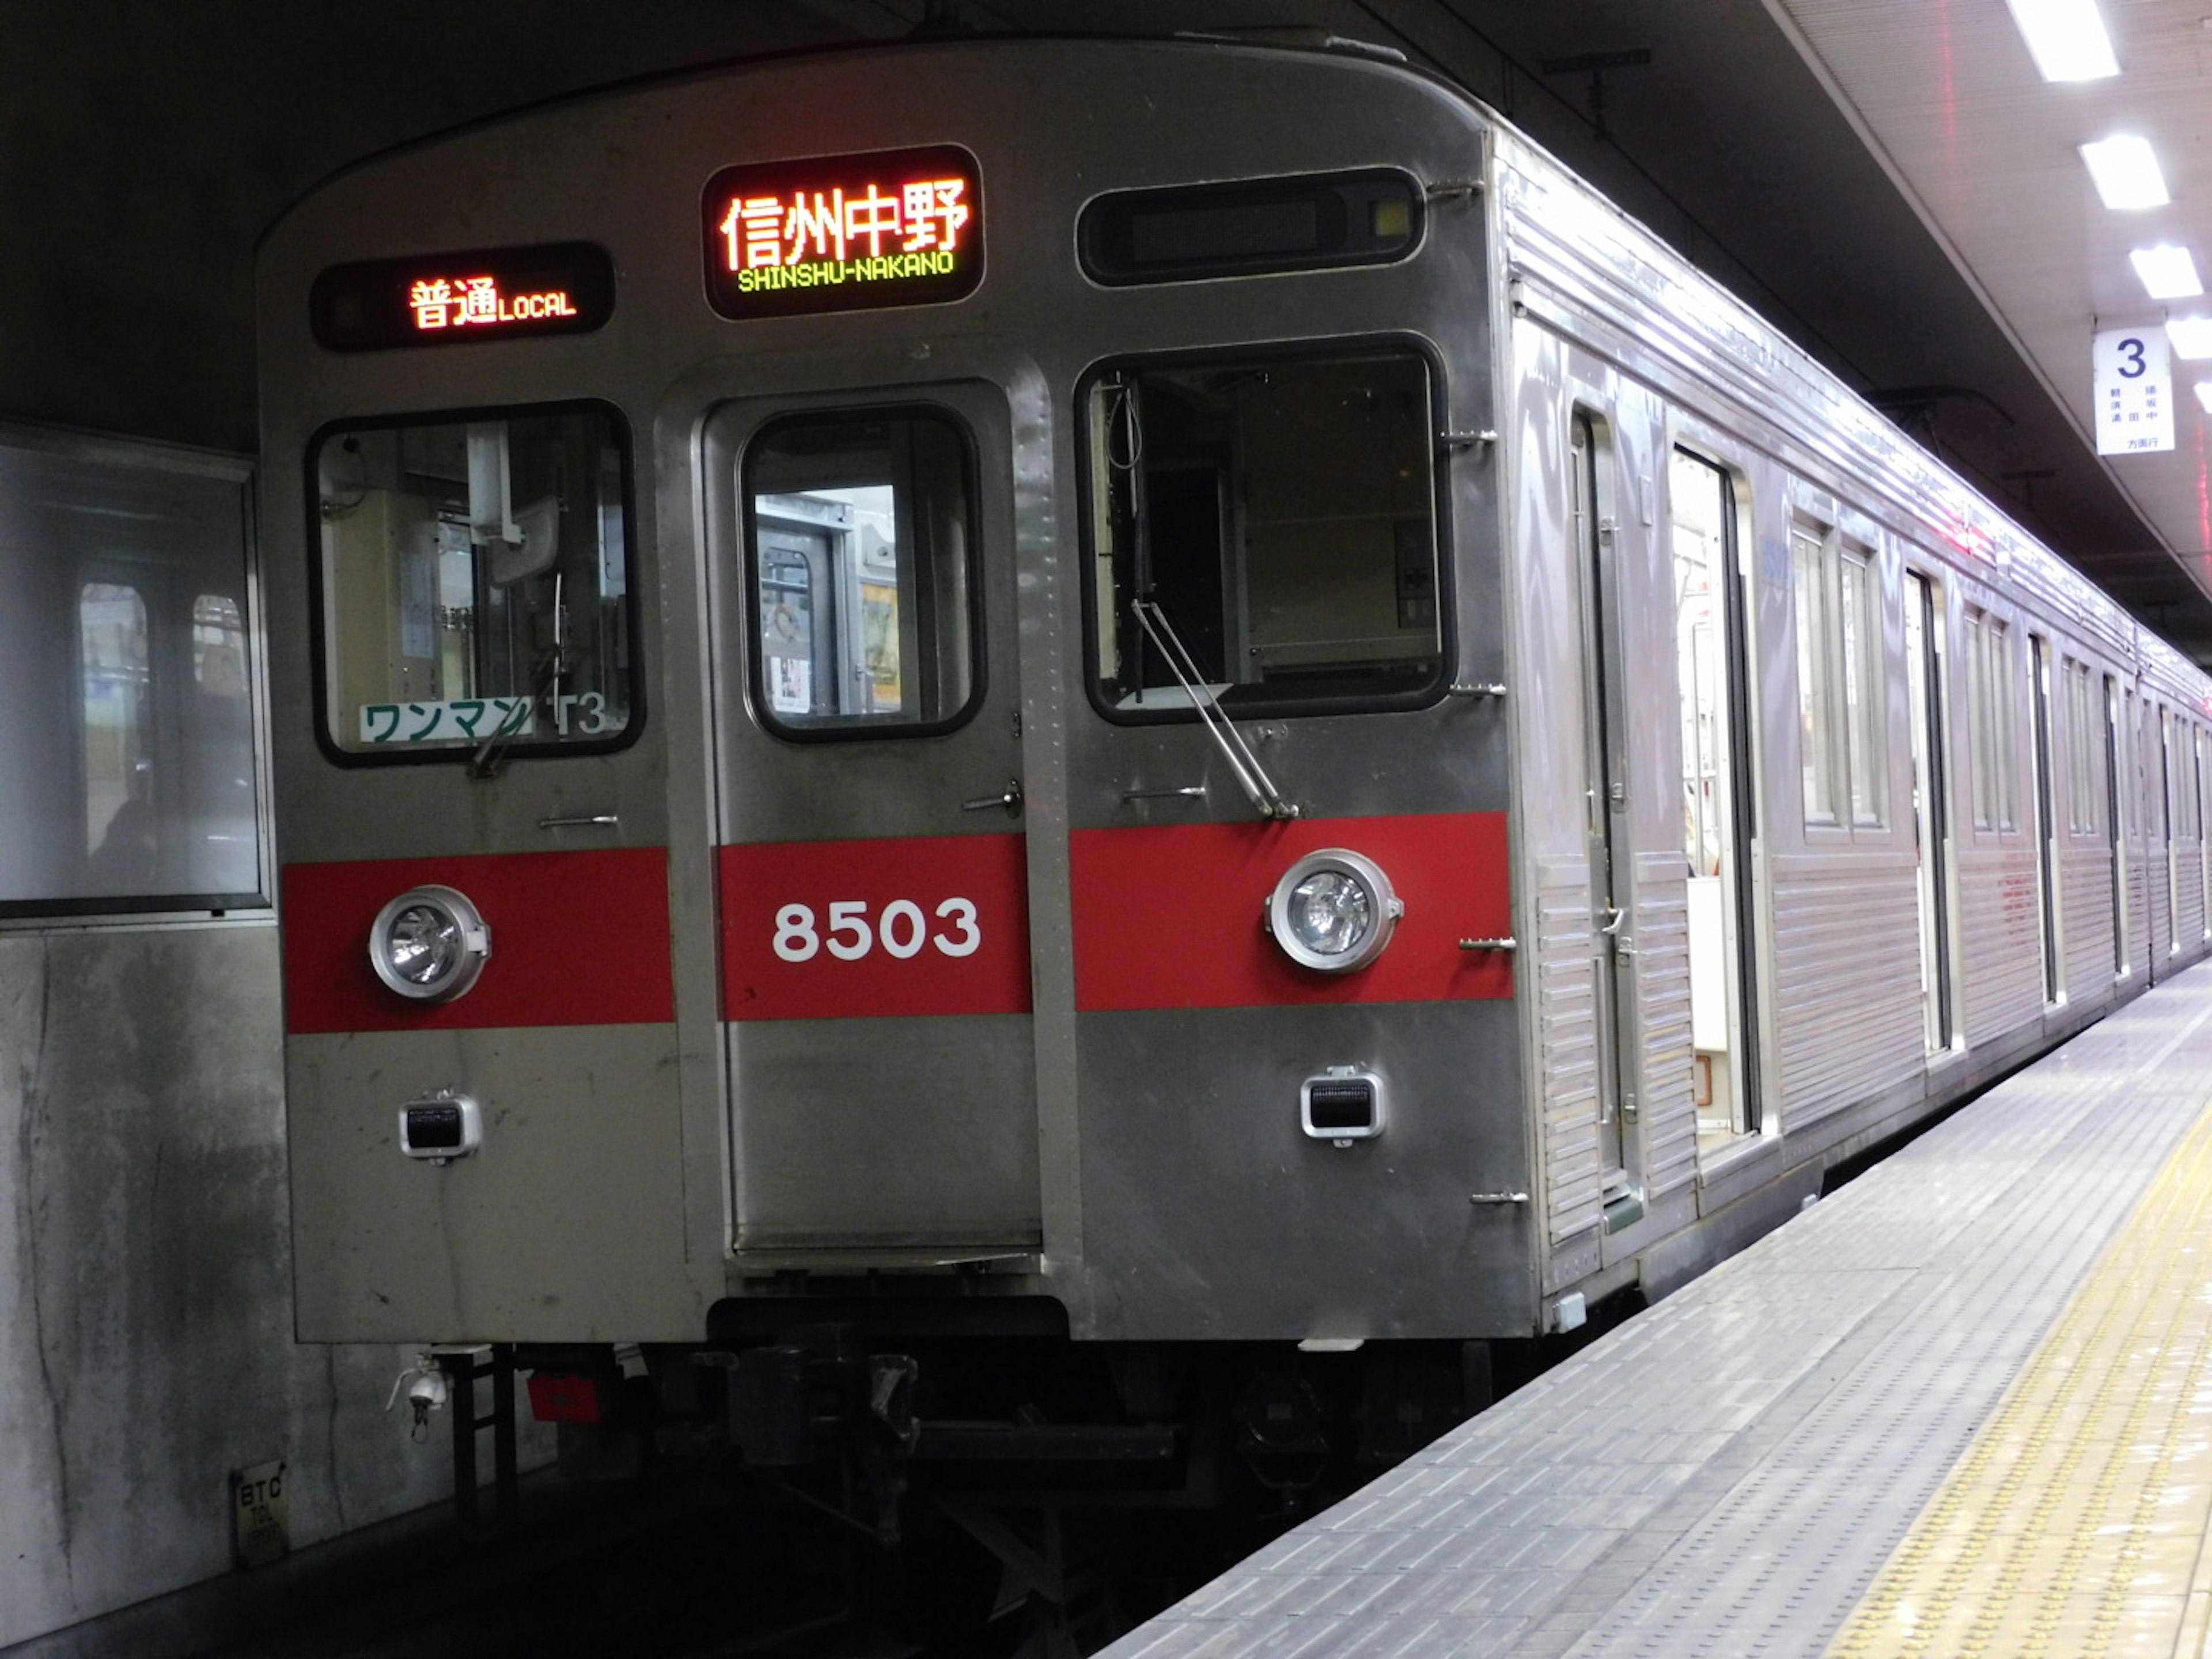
1263	531
862	585
474	582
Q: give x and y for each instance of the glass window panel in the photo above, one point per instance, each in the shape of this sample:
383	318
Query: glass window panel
1699	547
124	662
474	574
1979	737
1815	686
1865	714
2004	725
2081	750
1274	520
112	652
860	541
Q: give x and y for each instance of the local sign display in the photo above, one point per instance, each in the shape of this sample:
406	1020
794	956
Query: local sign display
450	299
844	233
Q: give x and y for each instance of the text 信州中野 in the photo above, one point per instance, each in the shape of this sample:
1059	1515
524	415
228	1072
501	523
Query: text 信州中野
813	230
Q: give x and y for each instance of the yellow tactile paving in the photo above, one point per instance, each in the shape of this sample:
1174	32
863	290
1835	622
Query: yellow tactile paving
2079	1524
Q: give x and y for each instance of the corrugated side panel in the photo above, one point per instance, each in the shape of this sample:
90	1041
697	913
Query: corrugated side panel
1595	262
1574	1196
1848	1018
2085	887
1667	1101
2001	939
2189	923
2146	885
2162	924
2139	935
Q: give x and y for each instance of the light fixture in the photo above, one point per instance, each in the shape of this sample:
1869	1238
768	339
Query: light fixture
2191	336
2066	38
1334	911
442	1126
428	945
2125	173
2204	390
2167	272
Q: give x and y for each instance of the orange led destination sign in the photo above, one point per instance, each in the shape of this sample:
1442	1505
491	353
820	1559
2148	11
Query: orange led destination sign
447	299
843	233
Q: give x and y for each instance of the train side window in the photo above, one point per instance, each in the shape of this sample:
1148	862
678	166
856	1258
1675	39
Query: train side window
1990	719
218	647
1263	532
1818	672
1866	710
862	581
474	583
1844	716
116	678
2080	748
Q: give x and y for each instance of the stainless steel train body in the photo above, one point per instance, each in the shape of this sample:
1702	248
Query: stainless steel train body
972	663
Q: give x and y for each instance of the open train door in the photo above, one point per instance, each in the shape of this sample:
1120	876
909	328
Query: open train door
874	932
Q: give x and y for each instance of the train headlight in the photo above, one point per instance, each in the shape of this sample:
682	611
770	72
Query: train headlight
428	945
1334	911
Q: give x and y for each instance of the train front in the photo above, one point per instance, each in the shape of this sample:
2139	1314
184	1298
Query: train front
891	768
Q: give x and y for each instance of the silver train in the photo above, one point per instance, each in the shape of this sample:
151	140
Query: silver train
1033	769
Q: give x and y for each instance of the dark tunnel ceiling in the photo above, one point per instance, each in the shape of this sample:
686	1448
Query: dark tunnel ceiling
143	155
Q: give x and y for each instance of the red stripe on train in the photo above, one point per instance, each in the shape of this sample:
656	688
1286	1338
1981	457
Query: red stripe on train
1170	917
577	939
853	929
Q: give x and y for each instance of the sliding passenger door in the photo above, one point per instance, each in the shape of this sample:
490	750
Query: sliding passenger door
2116	824
1718	795
1611	848
2169	831
2198	738
1931	807
2046	817
873	870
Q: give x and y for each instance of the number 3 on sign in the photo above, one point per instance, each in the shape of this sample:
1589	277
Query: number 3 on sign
902	929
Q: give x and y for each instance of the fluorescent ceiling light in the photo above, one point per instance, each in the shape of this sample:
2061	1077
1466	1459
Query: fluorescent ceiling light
2126	172
2205	395
2167	272
2066	38
2191	336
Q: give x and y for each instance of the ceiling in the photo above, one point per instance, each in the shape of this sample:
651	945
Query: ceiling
1888	180
1947	99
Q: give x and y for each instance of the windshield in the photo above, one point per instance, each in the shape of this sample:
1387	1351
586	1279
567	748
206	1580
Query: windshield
474	579
1280	515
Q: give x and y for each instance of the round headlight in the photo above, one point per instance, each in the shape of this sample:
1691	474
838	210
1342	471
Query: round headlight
1333	910
428	945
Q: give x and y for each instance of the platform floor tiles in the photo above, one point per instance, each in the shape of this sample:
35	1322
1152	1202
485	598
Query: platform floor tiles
1961	1407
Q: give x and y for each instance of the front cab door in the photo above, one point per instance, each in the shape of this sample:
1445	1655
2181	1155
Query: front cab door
874	928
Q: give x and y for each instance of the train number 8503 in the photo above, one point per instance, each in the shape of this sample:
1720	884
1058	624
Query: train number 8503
902	929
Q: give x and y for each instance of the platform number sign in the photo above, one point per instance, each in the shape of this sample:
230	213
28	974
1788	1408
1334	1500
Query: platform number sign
2134	391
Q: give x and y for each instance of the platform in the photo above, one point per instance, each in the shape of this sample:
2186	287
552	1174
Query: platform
1961	1406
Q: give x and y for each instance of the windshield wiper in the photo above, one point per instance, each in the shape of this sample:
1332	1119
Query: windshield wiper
491	754
1251	777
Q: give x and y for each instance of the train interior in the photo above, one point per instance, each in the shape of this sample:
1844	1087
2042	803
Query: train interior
473	571
861	590
1227	564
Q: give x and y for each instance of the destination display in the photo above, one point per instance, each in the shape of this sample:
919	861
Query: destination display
452	299
844	233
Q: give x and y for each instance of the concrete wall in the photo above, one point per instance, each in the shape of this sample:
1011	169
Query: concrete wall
145	145
146	1347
